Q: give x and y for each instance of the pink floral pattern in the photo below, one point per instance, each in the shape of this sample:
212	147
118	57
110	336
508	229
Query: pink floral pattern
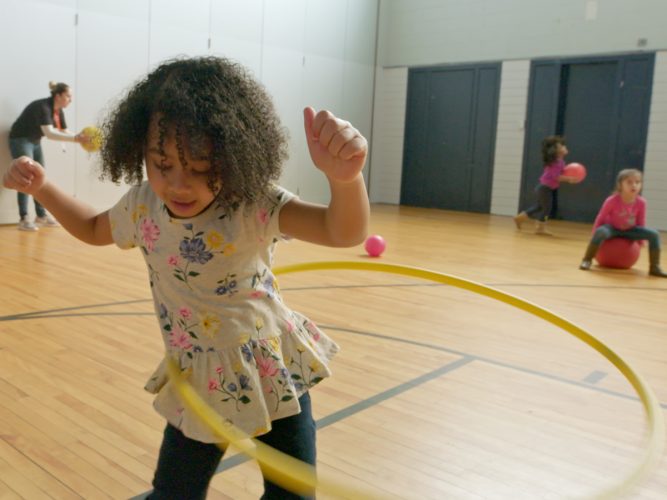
221	313
150	233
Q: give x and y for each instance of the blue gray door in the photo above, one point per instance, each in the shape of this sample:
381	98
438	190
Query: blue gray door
601	106
450	137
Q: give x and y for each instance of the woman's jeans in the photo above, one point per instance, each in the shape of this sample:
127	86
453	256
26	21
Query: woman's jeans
607	231
20	146
185	466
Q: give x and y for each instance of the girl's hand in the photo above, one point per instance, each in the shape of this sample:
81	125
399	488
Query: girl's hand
568	179
336	147
25	175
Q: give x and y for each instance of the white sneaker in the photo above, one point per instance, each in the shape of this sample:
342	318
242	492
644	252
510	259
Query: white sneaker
26	225
46	221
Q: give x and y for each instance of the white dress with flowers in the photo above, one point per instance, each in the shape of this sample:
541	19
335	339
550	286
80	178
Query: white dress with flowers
220	311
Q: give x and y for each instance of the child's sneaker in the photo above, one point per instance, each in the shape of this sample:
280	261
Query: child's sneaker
27	225
585	265
46	221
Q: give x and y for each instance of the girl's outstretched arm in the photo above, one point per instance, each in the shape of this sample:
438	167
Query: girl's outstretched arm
78	218
339	151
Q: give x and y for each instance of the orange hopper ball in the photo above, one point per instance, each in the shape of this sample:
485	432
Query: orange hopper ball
576	170
375	245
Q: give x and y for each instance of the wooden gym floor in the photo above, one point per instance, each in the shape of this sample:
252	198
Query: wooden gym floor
437	392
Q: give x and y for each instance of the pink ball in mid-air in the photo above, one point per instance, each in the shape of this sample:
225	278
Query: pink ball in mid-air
375	245
576	170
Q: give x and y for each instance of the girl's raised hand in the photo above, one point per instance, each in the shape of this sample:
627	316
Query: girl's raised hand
336	147
25	175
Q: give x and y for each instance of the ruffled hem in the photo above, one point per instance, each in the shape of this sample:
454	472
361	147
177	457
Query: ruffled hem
249	385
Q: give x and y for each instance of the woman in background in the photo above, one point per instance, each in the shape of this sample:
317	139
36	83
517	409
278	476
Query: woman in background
43	117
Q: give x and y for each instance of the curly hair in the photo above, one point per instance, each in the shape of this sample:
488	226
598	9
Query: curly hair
211	103
550	148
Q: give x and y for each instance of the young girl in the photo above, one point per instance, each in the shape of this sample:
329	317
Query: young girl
623	214
554	151
207	221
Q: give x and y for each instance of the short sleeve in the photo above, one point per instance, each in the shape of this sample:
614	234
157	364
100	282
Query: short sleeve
268	213
45	114
123	217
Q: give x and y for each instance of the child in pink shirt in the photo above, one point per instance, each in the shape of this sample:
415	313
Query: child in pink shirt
623	215
553	154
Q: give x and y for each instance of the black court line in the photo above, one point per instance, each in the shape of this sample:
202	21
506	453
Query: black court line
509	285
344	413
240	458
47	313
586	383
490	361
362	405
594	377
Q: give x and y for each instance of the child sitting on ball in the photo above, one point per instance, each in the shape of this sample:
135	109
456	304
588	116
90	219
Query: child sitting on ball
623	214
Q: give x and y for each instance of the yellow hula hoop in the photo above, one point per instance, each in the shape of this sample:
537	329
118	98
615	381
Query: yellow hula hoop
301	478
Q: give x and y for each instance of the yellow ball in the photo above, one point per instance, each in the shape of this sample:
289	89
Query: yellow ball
95	136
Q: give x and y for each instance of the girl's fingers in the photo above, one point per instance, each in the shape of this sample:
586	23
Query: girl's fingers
354	148
340	139
327	126
20	178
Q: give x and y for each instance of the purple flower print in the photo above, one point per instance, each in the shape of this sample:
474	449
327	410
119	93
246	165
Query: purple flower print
247	352
194	250
150	233
244	380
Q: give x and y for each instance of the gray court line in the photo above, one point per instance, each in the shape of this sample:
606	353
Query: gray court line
74	315
585	383
465	359
531	285
240	458
490	361
594	377
45	313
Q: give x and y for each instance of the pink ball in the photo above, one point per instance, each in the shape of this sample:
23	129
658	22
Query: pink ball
618	253
576	170
375	245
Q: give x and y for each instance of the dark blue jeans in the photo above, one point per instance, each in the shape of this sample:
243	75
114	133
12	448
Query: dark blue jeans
20	146
185	466
542	209
607	231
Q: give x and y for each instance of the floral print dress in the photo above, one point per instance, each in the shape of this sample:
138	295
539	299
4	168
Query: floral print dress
220	311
